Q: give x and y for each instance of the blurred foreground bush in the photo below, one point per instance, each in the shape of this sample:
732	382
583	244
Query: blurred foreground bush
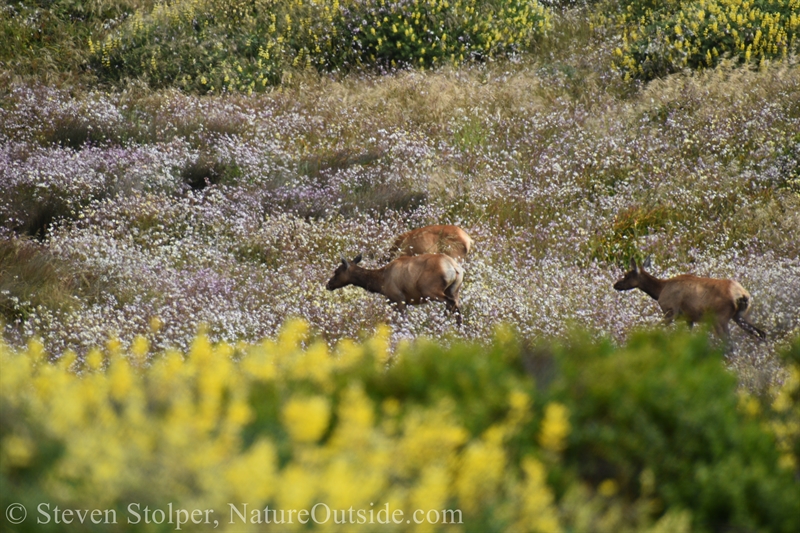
208	46
652	436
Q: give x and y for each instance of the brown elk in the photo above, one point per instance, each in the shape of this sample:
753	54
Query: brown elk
449	240
407	280
694	298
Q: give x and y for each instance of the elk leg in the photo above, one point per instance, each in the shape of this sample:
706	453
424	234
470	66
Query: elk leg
722	331
453	301
454	307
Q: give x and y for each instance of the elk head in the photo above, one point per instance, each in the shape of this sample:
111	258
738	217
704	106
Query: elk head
342	276
633	277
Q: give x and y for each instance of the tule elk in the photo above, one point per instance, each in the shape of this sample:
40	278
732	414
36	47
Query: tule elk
449	240
407	280
694	298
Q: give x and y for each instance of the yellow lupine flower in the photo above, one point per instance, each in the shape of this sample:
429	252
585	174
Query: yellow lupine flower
537	512
94	359
555	427
480	471
17	450
306	419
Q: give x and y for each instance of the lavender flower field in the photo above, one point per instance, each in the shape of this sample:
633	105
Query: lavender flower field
161	214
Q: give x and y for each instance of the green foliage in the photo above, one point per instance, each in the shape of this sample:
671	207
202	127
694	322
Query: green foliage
31	277
622	242
660	38
663	411
41	35
245	46
652	436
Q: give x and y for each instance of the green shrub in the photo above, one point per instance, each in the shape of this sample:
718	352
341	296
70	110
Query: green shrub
663	411
622	242
202	45
209	46
652	436
50	35
428	33
660	38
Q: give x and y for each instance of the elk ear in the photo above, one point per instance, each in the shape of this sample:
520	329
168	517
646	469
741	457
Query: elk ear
646	263
633	265
357	259
344	262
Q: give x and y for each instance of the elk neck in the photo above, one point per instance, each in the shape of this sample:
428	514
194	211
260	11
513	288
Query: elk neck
370	280
651	285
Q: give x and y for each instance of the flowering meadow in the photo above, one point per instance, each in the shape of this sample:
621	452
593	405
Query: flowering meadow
157	213
165	245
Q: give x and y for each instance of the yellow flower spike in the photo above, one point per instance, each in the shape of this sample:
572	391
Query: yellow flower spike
391	407
66	361
120	379
479	473
298	488
378	345
253	474
314	364
200	351
239	412
520	411
428	436
292	335
113	347
608	488
356	419
139	349
347	354
748	404
94	359
306	419
258	364
555	427
537	510
431	490
36	352
16	450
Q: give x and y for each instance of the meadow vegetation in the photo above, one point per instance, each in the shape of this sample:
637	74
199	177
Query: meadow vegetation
141	206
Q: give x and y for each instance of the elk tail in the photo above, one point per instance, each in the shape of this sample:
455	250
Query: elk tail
742	303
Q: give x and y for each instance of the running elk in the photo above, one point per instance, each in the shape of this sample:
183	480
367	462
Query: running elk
407	280
449	240
694	298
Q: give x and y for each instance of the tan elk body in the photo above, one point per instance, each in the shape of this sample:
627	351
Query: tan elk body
407	280
440	239
695	298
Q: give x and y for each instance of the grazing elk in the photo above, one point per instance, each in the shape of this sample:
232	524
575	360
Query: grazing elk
449	240
407	280
694	298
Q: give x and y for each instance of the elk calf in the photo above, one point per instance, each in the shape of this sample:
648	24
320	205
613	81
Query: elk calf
695	298
407	280
449	240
